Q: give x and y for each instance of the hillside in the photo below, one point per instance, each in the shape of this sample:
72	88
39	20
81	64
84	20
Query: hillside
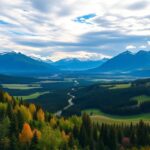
116	98
126	62
18	63
27	126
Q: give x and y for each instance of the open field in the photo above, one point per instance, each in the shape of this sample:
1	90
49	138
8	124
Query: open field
141	99
21	86
120	86
131	119
100	117
33	96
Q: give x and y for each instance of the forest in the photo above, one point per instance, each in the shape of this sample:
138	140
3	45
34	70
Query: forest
116	98
26	126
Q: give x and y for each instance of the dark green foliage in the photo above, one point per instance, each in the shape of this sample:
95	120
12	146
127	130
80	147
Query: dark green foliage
84	136
117	101
14	143
34	142
20	120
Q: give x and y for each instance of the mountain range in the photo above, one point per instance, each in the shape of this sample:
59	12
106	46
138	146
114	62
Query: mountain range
74	64
126	62
18	63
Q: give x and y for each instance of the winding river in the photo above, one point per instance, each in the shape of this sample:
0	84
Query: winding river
70	100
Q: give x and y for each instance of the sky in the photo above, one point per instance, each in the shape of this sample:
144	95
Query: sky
86	29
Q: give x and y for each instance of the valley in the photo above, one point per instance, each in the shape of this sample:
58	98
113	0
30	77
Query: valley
66	105
74	75
108	97
104	100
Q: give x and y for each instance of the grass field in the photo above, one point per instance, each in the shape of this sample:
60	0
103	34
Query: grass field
50	81
141	99
120	86
100	117
32	96
21	86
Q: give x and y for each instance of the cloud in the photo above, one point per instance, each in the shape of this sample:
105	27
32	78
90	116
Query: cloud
129	47
43	6
138	5
2	22
57	7
143	47
48	27
80	55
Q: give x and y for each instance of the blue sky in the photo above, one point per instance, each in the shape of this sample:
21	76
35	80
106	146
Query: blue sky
74	28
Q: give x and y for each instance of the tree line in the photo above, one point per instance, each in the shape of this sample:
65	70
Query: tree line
26	126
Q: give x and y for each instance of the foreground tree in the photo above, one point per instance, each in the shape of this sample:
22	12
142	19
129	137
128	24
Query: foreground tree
26	134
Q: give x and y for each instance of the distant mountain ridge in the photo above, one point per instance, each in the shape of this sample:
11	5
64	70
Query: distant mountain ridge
18	63
75	64
126	62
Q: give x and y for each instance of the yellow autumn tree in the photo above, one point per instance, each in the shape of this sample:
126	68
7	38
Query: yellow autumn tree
65	137
3	107
16	109
53	122
26	114
32	108
65	124
24	111
26	134
7	97
40	115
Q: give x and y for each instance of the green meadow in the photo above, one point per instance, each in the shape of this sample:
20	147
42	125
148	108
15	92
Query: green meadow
120	86
100	117
21	86
32	96
141	99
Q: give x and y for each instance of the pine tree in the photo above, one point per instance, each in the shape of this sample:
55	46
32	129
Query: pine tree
83	137
113	139
14	143
10	111
14	125
76	131
120	135
20	120
71	141
95	133
34	142
100	145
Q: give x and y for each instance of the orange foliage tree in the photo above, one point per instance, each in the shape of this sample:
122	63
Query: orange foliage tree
26	134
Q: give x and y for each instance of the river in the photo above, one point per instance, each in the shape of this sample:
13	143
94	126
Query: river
70	100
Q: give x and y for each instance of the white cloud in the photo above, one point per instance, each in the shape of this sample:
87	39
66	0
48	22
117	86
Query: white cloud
53	20
130	47
143	47
80	55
